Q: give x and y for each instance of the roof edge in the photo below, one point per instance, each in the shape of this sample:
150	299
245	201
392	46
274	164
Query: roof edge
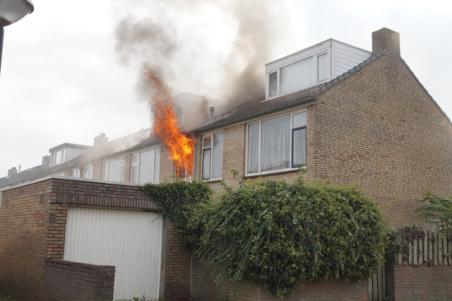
425	90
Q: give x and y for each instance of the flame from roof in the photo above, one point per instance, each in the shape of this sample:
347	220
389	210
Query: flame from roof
180	146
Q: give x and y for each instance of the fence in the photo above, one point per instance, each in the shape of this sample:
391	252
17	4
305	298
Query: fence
413	247
424	247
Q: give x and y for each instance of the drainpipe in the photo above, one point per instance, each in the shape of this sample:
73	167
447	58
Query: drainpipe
1	45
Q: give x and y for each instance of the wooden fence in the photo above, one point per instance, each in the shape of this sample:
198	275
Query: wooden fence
414	246
423	247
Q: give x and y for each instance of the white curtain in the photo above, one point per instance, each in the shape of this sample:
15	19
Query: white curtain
217	155
275	143
147	165
299	147
253	148
297	76
206	163
113	170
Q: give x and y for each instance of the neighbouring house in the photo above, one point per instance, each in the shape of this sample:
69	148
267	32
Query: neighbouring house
344	114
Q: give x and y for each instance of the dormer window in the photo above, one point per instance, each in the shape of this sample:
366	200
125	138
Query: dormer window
273	84
311	66
65	152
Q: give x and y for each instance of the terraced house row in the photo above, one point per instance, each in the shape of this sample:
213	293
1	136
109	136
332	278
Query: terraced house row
344	114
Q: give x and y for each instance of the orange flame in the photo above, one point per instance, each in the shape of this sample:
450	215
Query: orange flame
166	125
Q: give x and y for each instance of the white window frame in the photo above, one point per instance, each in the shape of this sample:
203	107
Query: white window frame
106	168
259	121
89	167
157	148
211	156
314	68
76	173
135	164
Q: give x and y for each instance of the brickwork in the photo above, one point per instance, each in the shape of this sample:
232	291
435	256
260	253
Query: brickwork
381	131
33	226
71	281
378	130
176	265
423	283
205	288
23	226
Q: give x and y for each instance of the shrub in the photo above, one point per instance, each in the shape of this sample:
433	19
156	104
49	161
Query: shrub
280	235
5	298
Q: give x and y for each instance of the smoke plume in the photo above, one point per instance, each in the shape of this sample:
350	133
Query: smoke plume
213	48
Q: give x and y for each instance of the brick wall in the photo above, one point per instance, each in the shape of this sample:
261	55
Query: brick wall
71	281
176	264
33	227
379	130
23	235
423	283
205	288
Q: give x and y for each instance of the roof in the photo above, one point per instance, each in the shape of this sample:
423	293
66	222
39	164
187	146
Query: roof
115	147
262	107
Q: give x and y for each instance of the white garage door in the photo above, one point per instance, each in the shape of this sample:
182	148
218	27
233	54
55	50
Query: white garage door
129	240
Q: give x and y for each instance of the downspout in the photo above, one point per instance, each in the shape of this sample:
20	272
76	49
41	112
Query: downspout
1	46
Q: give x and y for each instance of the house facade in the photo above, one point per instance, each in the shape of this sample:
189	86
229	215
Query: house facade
374	126
340	113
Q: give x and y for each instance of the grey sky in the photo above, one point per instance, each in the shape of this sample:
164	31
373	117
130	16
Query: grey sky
62	81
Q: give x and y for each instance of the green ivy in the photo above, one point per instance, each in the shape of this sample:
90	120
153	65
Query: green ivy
437	209
279	235
183	203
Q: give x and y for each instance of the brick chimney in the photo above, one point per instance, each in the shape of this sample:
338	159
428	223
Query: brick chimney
45	161
101	139
12	171
386	40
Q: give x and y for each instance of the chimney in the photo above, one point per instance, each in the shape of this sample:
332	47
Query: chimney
45	161
212	111
12	171
386	40
101	139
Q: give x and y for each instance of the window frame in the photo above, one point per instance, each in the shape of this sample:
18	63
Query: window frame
314	56
76	172
106	169
292	128
211	148
156	177
90	168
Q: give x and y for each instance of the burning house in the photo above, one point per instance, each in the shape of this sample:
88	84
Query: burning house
342	113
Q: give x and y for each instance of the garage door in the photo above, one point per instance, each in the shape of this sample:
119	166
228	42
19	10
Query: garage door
129	240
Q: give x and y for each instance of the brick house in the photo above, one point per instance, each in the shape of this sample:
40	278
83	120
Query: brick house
374	126
344	114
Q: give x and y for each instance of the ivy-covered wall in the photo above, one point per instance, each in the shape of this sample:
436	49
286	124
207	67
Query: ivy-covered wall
278	235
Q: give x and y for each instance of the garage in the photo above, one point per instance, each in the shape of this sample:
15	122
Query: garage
129	240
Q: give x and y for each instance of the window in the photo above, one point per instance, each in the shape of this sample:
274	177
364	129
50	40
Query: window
299	74
114	170
76	172
273	84
212	156
145	166
58	157
135	168
296	76
276	144
88	171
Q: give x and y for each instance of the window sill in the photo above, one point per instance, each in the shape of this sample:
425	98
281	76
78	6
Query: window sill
217	180
274	172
